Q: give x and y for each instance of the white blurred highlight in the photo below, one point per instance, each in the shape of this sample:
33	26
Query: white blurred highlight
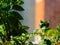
37	1
37	39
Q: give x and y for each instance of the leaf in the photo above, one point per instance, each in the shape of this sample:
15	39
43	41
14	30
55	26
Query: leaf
17	15
16	42
44	24
48	42
1	22
41	24
4	5
8	1
52	33
2	37
21	2
8	43
58	28
25	27
14	0
6	8
17	7
2	29
23	31
1	34
28	43
17	2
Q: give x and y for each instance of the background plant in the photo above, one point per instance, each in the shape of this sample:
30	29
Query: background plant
44	25
48	35
58	28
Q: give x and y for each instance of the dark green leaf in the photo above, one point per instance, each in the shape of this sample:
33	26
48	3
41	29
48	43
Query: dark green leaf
8	1
17	7
48	42
2	37
25	27
1	34
21	2
16	42
4	5
29	43
6	8
17	15
44	24
1	22
17	2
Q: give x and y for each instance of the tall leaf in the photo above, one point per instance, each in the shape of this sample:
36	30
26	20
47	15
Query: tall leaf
17	7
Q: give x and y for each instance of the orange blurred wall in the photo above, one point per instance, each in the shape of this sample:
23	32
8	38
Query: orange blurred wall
39	12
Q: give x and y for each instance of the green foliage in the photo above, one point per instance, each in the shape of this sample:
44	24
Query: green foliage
48	42
48	35
52	32
11	28
44	25
23	39
52	35
58	28
8	43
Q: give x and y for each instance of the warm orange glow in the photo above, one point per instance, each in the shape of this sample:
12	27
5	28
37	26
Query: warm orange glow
39	13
